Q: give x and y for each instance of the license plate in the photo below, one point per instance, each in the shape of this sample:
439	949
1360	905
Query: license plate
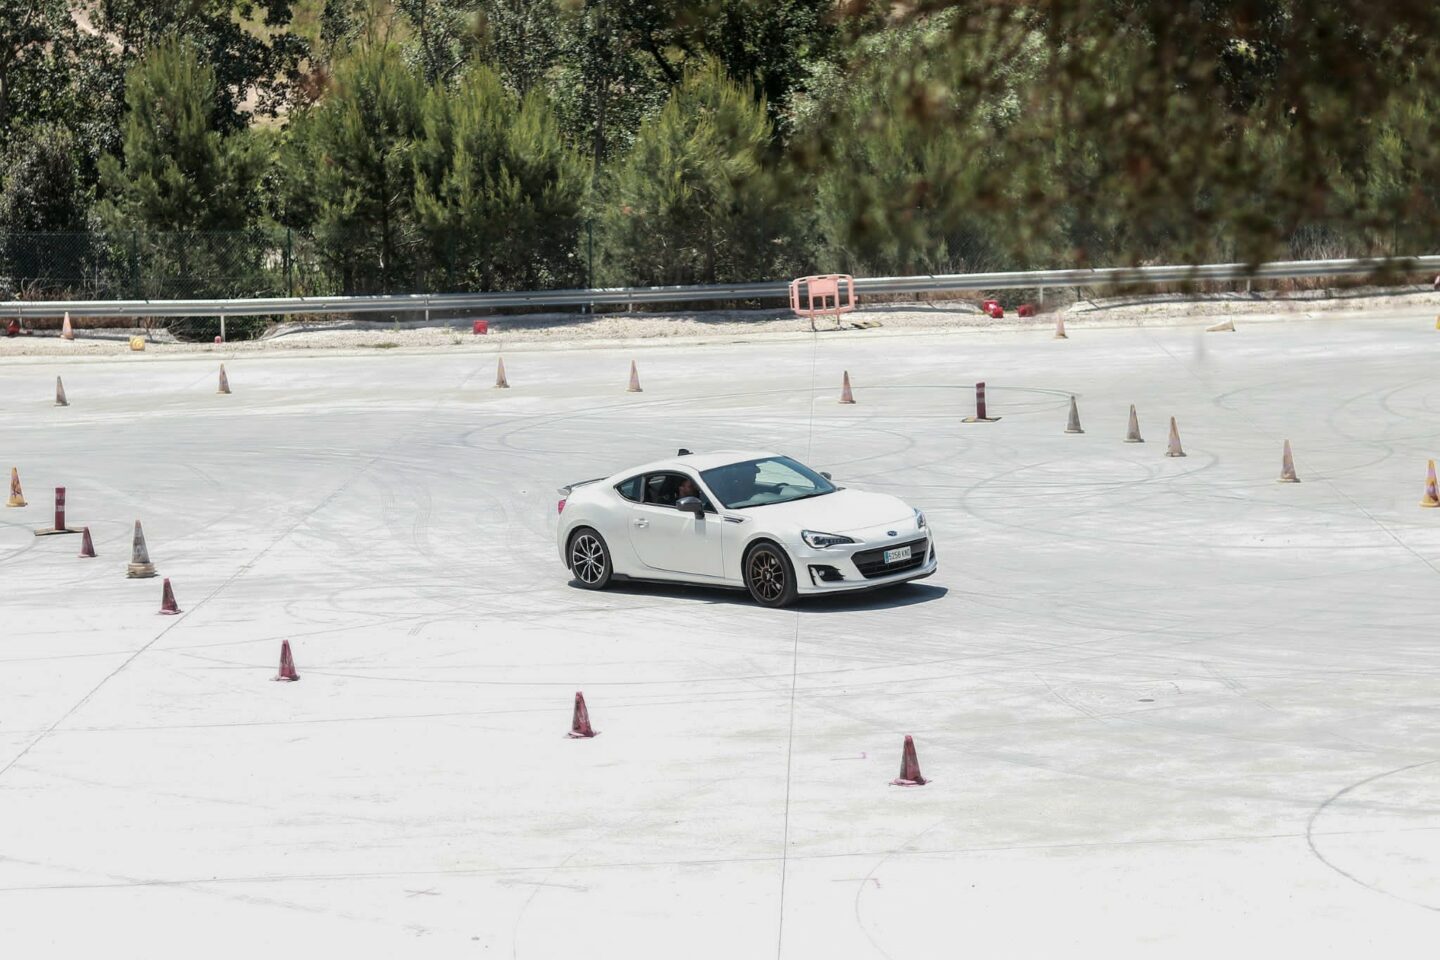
896	555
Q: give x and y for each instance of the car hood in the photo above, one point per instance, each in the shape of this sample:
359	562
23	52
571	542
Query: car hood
844	511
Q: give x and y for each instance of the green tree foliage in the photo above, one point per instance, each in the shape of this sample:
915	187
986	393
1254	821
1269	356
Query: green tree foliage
348	169
694	200
42	206
499	192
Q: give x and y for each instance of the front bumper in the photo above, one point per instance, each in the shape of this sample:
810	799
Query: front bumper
835	571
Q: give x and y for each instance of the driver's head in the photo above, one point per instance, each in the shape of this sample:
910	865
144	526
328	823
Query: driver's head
687	488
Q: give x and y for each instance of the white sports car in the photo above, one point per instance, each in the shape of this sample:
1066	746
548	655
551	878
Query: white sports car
760	521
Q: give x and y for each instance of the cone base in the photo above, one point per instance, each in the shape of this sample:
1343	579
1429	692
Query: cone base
1061	336
572	735
633	390
847	401
502	386
59	403
909	783
979	419
279	679
1074	430
15	502
53	532
1430	503
1171	453
170	613
140	570
1134	439
1288	480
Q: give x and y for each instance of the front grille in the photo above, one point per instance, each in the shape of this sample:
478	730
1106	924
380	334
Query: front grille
871	563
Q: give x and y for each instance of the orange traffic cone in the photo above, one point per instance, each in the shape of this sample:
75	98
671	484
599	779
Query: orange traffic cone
909	767
1060	333
60	400
845	395
224	381
1287	466
580	728
17	499
1432	493
167	600
1074	425
1173	448
1133	434
67	332
500	382
87	546
140	565
287	664
634	379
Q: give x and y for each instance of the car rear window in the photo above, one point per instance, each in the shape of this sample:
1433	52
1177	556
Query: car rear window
630	489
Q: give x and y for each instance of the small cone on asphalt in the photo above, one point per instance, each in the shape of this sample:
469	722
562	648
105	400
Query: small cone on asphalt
167	600
500	382
1225	326
1133	434
87	546
1432	492
580	728
845	395
980	413
140	565
634	380
224	381
1060	333
67	332
1287	466
909	767
17	498
60	400
287	664
1074	425
1173	448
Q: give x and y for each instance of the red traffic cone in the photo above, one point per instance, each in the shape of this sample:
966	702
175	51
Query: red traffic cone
224	381
580	728
634	379
980	416
87	546
287	664
909	767
1287	466
500	382
1432	493
845	395
1172	449
167	600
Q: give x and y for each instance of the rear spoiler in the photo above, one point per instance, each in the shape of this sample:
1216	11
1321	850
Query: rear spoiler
565	490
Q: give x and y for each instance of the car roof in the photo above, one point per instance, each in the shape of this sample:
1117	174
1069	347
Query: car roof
695	462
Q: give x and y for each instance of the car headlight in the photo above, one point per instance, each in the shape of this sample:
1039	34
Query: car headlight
821	540
919	519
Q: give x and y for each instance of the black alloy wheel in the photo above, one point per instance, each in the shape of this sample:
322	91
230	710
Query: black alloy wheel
769	576
590	559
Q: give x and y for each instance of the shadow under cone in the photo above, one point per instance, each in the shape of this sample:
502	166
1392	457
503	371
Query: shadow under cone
17	497
140	565
167	600
1132	435
1172	449
909	767
1074	425
580	728
845	395
287	664
1287	466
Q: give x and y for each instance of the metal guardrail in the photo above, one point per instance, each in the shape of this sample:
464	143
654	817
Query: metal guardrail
769	290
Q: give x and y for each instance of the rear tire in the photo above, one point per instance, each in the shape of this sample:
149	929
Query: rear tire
588	557
769	576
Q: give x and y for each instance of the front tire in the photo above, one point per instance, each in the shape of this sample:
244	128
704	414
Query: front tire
769	576
589	559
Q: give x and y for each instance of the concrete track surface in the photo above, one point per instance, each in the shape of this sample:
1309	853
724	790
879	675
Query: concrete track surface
1169	707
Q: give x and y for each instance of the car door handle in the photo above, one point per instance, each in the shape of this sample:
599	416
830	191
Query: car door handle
641	523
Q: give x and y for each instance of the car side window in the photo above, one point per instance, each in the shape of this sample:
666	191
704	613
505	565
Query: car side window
666	489
630	489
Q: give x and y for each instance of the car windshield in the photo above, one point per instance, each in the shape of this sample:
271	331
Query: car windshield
755	483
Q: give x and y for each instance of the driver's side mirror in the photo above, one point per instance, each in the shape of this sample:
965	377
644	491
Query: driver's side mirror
691	505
